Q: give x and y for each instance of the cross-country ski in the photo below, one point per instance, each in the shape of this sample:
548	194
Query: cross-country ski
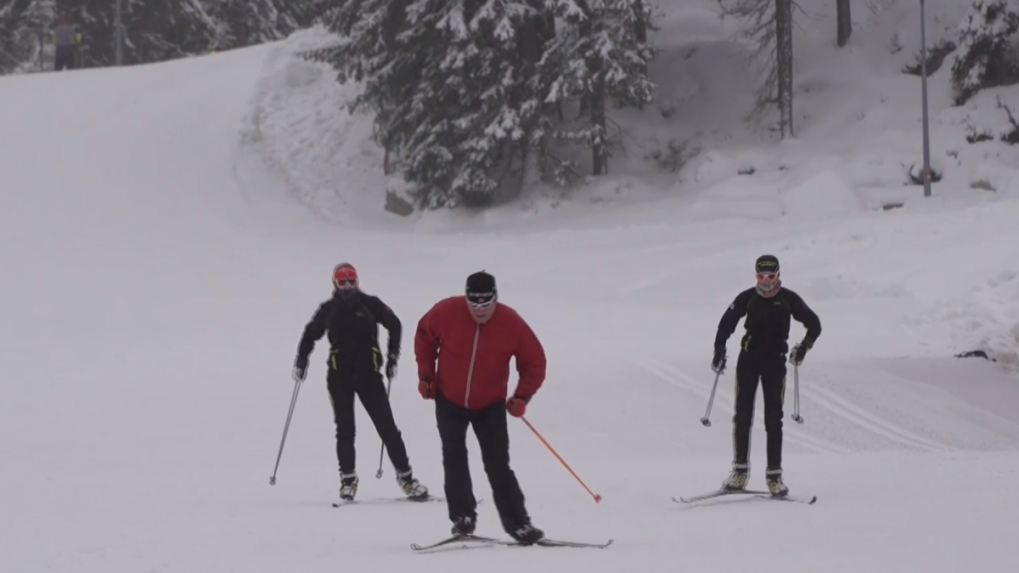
386	500
755	493
474	540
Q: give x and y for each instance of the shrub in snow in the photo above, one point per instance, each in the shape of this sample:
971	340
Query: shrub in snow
936	55
1011	135
675	155
916	172
985	57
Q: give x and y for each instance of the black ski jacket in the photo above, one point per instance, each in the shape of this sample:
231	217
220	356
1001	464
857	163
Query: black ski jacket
353	331
767	322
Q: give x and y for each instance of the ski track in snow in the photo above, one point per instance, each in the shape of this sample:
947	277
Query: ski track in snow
722	402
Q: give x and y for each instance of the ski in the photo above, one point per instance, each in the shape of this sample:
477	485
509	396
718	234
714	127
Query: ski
456	539
344	503
797	499
720	493
561	543
756	493
467	540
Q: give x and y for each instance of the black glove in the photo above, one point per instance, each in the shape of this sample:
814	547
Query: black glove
391	366
800	352
300	369
718	362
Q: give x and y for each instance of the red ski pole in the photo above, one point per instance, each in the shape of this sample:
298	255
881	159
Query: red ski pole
597	497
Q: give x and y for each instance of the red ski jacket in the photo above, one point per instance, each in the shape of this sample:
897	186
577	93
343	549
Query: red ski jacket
474	359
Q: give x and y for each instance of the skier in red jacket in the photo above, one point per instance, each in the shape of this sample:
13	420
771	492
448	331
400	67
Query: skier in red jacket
473	338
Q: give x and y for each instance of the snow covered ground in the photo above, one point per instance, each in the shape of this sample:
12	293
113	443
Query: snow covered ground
156	278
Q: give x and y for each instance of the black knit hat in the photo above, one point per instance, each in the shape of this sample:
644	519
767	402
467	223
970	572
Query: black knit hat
766	264
481	287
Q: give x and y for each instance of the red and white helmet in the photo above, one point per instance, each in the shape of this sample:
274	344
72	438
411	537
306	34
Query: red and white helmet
345	277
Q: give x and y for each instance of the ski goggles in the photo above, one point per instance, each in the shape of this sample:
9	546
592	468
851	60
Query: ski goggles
480	300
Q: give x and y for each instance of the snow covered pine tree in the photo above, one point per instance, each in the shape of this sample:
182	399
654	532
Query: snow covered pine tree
598	59
982	58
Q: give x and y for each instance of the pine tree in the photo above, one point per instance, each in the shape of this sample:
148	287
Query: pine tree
242	23
24	25
983	58
160	31
600	60
447	83
498	111
299	14
372	57
153	31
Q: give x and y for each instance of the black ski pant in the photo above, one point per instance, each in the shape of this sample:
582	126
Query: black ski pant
490	428
770	371
364	381
64	58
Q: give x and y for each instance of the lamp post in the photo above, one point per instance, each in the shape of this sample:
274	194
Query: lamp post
926	175
119	34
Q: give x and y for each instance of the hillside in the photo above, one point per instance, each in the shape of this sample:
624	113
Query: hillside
857	122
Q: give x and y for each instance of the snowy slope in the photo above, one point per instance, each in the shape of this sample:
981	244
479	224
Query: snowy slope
157	278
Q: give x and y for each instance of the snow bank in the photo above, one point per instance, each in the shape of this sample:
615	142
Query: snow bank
825	195
737	198
988	318
298	124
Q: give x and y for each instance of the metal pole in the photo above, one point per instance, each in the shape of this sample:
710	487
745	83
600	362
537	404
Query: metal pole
119	34
926	129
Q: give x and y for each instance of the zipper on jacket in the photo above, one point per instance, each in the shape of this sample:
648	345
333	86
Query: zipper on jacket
470	370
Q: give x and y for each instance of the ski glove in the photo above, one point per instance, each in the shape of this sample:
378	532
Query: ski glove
718	361
516	406
300	369
426	388
799	352
391	366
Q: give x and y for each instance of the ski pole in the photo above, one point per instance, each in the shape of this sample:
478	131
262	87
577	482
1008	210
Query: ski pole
796	394
378	474
290	414
597	497
711	400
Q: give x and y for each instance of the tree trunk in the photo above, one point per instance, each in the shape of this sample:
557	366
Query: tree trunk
639	27
845	22
599	157
784	53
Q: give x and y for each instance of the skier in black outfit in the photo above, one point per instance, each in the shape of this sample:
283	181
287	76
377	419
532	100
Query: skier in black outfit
768	308
351	318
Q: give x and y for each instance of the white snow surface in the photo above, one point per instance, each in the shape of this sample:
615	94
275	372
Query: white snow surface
160	260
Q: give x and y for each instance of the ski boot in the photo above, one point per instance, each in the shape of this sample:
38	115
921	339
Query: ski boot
527	534
411	486
463	526
775	484
737	480
348	486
